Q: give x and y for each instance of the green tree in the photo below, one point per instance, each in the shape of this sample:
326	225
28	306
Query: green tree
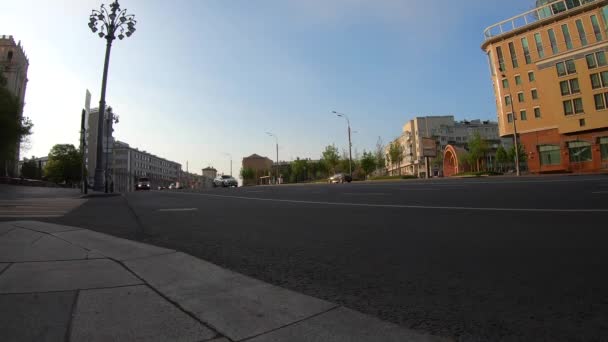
64	165
13	128
368	163
522	153
247	174
379	154
395	154
502	157
331	158
30	170
299	170
478	148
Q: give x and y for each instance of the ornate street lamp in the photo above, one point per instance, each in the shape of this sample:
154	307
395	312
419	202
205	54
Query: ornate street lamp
112	24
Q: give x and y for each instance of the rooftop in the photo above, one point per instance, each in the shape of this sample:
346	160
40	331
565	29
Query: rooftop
545	9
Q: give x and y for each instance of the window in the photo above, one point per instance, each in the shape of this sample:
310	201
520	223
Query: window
595	60
549	155
501	59
581	32
561	69
553	41
510	117
526	48
539	45
508	100
513	55
567	37
596	28
520	97
505	83
570	66
599	101
531	76
569	87
523	115
491	63
517	79
581	122
599	80
574	106
580	151
603	141
534	94
537	113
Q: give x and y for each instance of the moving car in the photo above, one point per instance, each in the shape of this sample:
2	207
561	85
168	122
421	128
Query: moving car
340	178
143	183
225	181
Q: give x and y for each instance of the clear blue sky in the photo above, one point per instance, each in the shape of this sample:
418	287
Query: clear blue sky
203	77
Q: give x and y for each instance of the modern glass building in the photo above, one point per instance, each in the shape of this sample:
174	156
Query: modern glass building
549	71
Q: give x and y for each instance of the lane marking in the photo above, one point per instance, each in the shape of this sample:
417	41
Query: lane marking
179	209
420	189
600	192
470	182
405	206
26	215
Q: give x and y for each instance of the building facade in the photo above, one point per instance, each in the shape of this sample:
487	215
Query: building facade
549	71
445	131
130	163
13	68
261	166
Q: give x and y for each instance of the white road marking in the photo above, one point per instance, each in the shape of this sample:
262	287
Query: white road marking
463	182
600	192
38	207
420	189
178	209
405	206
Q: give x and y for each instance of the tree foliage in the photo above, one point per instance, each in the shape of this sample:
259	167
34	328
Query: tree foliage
368	163
13	129
379	154
522	153
30	169
395	154
247	173
478	148
64	165
331	158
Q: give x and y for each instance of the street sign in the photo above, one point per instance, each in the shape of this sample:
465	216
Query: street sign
429	147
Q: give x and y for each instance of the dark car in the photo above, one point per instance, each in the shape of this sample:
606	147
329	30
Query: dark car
340	178
143	183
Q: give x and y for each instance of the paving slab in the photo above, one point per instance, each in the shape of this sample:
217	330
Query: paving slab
343	324
35	316
44	227
236	305
44	248
110	246
133	313
2	267
20	236
64	276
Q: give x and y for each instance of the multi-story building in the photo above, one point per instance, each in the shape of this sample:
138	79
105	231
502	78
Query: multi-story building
13	69
444	130
549	71
91	141
210	172
261	166
130	163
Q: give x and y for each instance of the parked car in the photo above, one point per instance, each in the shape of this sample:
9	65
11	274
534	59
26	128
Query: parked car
225	181
171	186
143	183
340	178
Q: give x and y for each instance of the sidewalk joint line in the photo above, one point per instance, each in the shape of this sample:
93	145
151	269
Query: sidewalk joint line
292	323
83	289
140	229
6	268
38	238
56	260
150	256
68	332
174	303
10	230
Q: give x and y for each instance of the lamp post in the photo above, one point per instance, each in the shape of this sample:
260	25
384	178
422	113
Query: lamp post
111	119
229	155
515	144
277	144
112	25
350	145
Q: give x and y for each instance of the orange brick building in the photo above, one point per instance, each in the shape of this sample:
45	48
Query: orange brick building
549	69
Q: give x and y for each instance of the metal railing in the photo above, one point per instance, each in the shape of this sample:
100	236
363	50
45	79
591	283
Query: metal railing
532	16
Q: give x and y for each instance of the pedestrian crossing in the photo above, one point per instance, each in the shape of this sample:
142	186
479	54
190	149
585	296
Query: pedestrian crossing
38	207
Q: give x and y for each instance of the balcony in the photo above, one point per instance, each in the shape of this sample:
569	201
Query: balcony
539	13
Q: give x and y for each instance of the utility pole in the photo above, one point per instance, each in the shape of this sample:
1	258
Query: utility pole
84	187
277	146
350	144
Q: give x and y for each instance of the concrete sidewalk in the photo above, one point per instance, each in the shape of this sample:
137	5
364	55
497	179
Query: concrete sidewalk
61	283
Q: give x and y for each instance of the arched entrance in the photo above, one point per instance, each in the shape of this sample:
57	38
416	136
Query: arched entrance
451	165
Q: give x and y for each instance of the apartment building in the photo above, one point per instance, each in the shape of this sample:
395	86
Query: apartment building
549	71
445	130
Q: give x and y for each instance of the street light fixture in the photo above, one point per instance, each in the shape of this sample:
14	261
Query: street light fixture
229	155
115	23
277	144
350	145
515	144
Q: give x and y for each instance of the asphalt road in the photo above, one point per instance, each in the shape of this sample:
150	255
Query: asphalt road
474	259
